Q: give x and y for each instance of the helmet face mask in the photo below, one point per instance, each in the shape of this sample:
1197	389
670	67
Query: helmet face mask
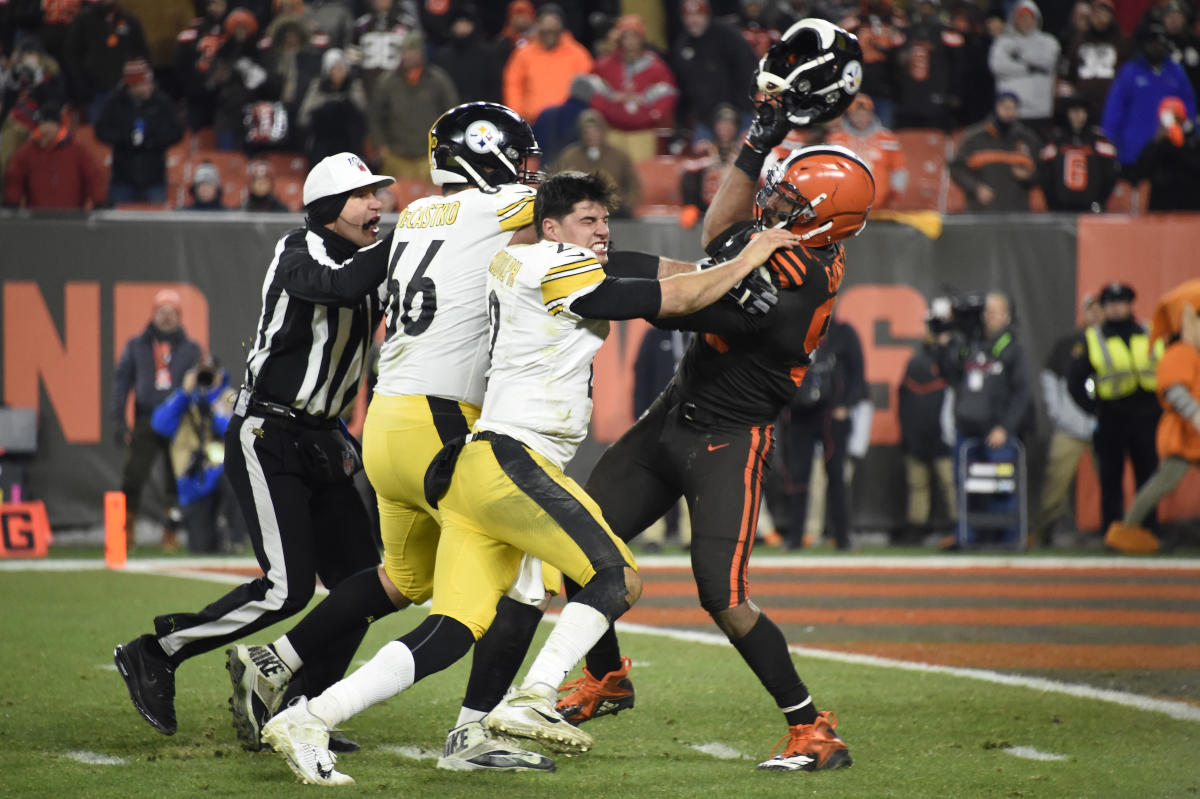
813	71
481	144
822	193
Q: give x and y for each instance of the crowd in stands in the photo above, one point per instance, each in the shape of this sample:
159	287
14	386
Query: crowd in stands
977	105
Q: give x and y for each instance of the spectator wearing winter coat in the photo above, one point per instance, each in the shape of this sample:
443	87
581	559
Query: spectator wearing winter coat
51	170
32	77
334	112
994	164
195	51
471	62
638	92
1182	40
863	133
406	104
712	65
1024	60
206	188
593	153
1093	56
880	33
260	189
1171	161
99	42
538	74
1066	186
558	126
378	35
139	121
1131	111
930	81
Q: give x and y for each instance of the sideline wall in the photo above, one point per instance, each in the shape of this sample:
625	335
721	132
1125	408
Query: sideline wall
73	289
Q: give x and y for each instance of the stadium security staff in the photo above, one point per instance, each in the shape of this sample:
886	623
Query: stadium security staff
287	455
1119	362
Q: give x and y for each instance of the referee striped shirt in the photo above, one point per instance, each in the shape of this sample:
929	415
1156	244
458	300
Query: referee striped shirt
321	306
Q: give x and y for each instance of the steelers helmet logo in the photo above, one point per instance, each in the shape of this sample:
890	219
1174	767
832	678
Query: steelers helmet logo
852	77
483	137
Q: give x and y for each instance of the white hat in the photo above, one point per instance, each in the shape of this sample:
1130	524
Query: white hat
338	174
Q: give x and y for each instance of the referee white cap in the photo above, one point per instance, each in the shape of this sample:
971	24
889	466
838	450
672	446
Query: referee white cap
339	174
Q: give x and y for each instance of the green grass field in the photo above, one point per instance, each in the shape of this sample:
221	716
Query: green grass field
912	734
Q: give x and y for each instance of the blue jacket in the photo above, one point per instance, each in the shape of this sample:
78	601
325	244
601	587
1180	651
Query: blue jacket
1131	110
196	476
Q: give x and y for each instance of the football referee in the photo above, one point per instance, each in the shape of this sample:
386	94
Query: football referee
288	456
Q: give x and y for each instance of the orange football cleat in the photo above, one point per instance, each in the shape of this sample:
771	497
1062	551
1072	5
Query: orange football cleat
588	698
810	747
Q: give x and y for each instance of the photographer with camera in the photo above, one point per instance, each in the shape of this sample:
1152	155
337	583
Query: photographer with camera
987	368
194	417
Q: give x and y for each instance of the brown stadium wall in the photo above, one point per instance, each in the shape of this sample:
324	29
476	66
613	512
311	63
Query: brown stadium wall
74	289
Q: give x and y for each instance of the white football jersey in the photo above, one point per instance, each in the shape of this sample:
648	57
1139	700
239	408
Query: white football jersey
436	315
539	388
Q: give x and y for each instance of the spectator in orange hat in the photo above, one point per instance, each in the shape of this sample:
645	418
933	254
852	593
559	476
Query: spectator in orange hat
140	122
152	365
51	169
538	75
520	25
862	132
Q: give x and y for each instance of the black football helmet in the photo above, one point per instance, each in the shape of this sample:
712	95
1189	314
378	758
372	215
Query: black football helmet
813	71
486	144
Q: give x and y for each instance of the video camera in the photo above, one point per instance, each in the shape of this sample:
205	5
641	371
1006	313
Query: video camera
958	312
206	377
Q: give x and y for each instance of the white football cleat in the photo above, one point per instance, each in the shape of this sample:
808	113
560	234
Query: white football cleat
528	713
259	680
471	747
303	739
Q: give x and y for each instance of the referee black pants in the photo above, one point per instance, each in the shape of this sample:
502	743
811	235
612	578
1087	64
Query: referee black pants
305	520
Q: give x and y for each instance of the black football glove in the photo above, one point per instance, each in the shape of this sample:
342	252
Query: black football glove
770	126
755	293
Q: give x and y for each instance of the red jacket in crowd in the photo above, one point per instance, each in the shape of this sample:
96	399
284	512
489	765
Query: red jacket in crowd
637	95
63	175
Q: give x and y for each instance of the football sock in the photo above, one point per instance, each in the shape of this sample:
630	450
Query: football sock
605	655
284	650
356	602
579	627
380	678
499	653
765	651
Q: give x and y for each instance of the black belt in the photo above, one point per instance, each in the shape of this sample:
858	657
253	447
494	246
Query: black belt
278	411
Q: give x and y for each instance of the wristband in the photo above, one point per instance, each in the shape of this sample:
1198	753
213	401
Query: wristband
750	161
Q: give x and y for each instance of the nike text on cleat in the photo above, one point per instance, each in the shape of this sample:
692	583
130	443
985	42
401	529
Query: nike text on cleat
588	698
259	680
471	747
529	714
810	747
150	678
303	740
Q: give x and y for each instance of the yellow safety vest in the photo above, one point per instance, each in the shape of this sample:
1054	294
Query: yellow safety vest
1122	368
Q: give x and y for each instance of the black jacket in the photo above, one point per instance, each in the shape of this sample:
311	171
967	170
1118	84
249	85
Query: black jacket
921	397
990	378
140	133
136	371
1067	188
